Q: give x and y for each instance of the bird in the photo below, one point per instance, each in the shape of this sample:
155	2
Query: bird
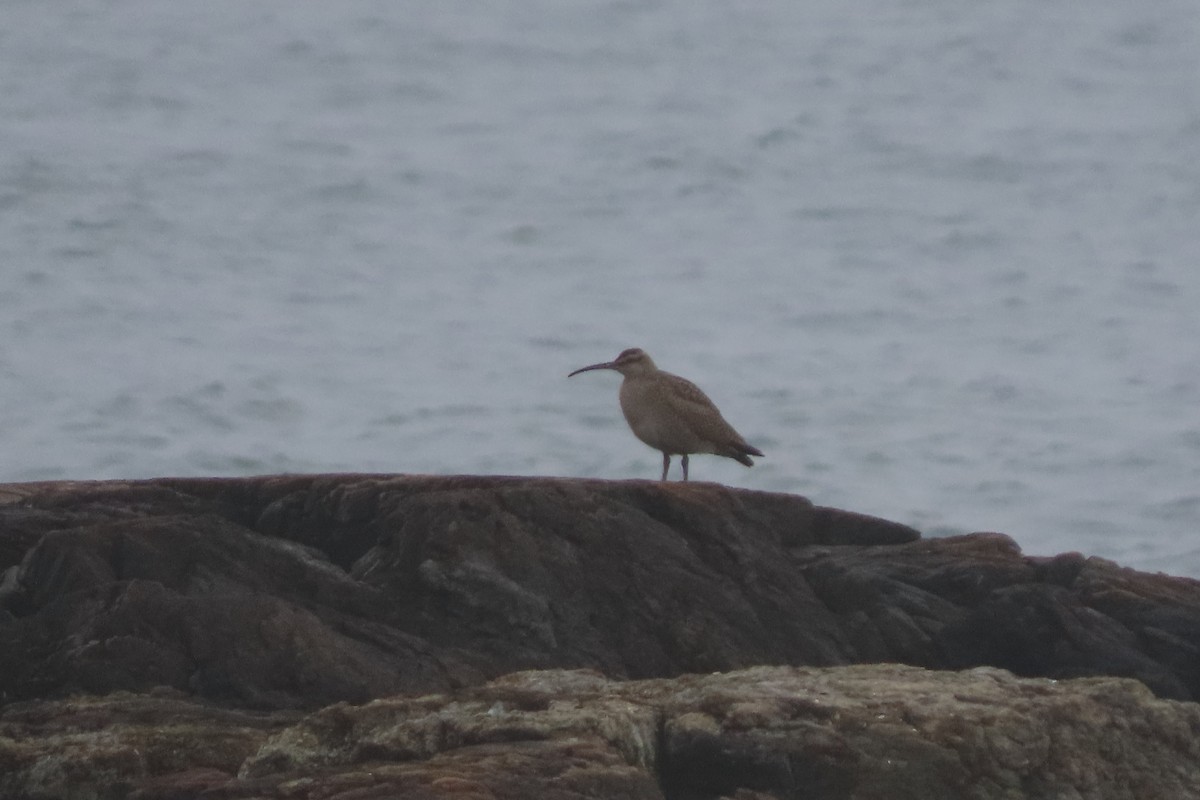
671	414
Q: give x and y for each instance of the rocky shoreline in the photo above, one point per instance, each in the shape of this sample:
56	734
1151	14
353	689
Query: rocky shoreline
358	636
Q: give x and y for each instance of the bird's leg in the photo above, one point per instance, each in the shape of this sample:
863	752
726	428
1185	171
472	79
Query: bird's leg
666	465
684	462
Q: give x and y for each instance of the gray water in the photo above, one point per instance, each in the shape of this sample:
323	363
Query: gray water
939	260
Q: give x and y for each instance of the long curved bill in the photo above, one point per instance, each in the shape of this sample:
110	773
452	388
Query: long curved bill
605	365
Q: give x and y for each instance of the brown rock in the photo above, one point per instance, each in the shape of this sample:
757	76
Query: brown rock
287	592
142	622
299	591
110	746
864	732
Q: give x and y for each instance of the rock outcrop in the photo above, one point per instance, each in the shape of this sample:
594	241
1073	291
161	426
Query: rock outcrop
236	604
872	732
296	592
302	591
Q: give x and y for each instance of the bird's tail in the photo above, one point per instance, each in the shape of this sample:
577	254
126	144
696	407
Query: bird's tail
742	453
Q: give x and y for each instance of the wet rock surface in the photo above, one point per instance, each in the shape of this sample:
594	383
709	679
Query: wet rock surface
278	596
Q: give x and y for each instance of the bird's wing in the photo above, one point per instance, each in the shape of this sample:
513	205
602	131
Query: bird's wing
701	414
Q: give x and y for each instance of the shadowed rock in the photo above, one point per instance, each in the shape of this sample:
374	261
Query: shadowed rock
288	592
299	591
284	592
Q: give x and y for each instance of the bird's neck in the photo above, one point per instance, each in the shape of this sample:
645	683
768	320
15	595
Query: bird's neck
641	375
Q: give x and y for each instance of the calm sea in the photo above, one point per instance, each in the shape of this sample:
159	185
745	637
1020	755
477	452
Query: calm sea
939	260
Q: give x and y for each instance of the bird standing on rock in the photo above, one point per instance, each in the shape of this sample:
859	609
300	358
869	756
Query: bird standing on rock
671	414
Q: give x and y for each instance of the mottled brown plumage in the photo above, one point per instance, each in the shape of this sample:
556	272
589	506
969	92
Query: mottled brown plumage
671	414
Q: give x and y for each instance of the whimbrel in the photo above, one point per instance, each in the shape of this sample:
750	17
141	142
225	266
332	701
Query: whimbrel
671	414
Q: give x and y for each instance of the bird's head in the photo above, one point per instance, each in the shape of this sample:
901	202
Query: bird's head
633	361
